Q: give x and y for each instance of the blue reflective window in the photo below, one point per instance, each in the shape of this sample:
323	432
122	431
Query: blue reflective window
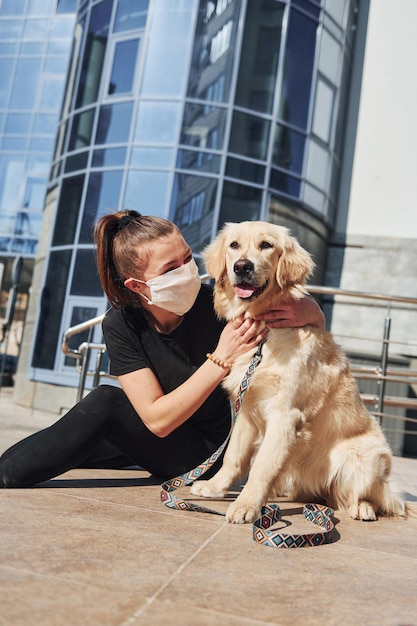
35	29
68	210
67	6
62	28
245	170
45	124
25	85
114	123
147	192
249	135
260	53
165	72
203	126
298	69
239	203
11	170
12	7
34	196
152	157
52	93
94	52
280	181
5	79
124	65
85	280
40	7
7	48
102	197
198	160
288	152
158	122
33	48
76	162
81	129
109	157
10	29
131	15
15	144
18	123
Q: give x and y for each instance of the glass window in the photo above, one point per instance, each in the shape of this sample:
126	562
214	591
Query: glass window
147	192
81	130
45	124
18	123
131	16
109	157
298	70
329	57
67	6
158	122
124	65
260	53
152	157
5	78
33	48
76	162
166	67
249	136
15	144
245	170
25	85
10	29
317	165
102	197
203	126
68	210
283	182
8	49
198	160
42	145
213	55
336	8
13	7
51	95
35	29
29	224
40	7
85	280
288	150
11	170
94	52
51	305
114	123
63	27
239	203
323	111
34	196
56	65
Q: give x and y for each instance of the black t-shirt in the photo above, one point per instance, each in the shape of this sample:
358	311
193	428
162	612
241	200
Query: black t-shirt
133	344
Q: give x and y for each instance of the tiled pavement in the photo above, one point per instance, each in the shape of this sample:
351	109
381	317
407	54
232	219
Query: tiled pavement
94	548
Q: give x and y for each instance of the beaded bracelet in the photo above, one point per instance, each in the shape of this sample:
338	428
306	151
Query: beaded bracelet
219	362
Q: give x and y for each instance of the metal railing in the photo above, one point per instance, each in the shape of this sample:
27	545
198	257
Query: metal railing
378	375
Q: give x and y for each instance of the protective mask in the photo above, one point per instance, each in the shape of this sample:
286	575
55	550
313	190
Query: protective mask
175	291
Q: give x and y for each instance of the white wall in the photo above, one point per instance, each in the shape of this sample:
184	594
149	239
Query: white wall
383	193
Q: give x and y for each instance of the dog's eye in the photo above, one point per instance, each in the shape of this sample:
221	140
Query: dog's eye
265	244
234	245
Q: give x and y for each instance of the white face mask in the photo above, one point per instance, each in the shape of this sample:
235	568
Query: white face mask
175	291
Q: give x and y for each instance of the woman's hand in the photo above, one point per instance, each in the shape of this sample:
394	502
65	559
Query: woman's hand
294	314
239	336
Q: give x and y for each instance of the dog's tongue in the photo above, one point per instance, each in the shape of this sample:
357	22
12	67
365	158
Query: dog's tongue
244	291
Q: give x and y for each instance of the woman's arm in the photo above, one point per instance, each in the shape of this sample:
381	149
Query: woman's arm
163	413
294	314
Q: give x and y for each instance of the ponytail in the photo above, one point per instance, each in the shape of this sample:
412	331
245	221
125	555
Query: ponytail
121	250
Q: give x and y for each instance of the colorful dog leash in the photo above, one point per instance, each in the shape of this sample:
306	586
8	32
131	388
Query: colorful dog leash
270	514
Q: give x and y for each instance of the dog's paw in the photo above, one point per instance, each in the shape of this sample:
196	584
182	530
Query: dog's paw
363	510
207	489
240	513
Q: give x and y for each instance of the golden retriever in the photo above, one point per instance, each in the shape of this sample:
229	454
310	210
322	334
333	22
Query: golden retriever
302	429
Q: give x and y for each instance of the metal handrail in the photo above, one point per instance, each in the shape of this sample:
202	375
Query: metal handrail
381	373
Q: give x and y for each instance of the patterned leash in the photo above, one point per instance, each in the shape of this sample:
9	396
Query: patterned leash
270	514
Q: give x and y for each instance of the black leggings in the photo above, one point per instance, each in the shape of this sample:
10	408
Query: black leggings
103	430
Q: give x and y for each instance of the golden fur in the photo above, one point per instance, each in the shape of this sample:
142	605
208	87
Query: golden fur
302	428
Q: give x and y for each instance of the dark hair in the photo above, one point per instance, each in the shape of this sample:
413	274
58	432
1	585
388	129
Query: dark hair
122	240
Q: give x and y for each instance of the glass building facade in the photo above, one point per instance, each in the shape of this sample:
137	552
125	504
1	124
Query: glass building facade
197	110
35	42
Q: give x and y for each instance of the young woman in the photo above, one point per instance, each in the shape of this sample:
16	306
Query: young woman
170	412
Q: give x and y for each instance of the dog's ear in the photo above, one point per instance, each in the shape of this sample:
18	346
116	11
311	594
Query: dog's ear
215	258
295	264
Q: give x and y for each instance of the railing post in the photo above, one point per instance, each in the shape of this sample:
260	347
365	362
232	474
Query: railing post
384	361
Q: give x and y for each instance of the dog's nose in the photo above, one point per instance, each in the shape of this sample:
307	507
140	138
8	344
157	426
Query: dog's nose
243	268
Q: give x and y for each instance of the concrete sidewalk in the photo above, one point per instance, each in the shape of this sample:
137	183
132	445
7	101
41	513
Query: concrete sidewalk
97	547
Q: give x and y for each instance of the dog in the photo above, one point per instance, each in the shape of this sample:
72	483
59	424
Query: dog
302	429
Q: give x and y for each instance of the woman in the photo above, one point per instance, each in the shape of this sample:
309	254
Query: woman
169	353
